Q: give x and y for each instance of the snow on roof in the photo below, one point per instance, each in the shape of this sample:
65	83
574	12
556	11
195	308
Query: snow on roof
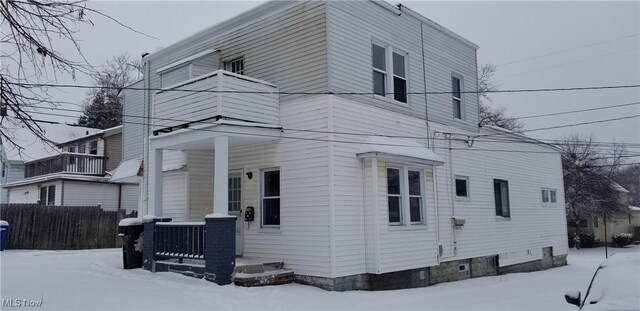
398	148
618	188
634	208
66	176
127	171
34	148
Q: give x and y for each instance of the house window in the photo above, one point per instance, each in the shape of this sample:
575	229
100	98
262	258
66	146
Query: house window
456	95
394	196
271	198
72	160
4	169
501	192
462	187
404	192
48	195
548	196
235	66
385	62
595	221
399	78
379	70
82	147
93	147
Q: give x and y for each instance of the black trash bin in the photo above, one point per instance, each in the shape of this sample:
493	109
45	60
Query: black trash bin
130	230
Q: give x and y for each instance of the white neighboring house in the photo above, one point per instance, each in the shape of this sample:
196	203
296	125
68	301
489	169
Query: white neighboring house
76	172
314	115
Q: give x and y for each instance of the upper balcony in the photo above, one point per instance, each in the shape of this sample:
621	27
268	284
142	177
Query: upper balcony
219	94
70	163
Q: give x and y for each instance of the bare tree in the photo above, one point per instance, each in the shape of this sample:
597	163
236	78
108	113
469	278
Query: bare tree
490	116
589	179
32	33
102	108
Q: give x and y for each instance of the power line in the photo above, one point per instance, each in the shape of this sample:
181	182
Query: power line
178	89
567	50
576	111
338	141
481	138
567	125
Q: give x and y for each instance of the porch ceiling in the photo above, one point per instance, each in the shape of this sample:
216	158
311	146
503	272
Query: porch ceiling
201	137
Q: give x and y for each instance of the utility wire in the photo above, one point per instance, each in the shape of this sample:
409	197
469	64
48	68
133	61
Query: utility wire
333	140
179	89
567	50
577	111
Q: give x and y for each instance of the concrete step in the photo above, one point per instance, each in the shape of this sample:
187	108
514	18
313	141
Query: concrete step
262	275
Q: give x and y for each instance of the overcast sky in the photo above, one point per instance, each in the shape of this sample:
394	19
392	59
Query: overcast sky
591	44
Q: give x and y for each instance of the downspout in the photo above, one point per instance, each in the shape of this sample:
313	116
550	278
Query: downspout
452	198
62	192
145	137
434	175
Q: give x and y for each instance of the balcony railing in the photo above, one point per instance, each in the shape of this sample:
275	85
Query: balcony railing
73	163
214	95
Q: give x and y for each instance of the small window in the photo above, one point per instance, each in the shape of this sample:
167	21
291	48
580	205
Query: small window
456	95
548	197
394	196
271	198
595	221
379	70
501	193
462	186
43	195
93	147
235	66
82	147
553	196
4	168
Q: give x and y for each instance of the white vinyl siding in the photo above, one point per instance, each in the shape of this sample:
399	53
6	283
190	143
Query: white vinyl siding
352	25
77	193
133	122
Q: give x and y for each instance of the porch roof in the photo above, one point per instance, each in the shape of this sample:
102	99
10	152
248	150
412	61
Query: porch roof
200	136
398	149
127	171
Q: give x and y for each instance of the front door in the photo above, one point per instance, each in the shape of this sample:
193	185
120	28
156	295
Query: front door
235	206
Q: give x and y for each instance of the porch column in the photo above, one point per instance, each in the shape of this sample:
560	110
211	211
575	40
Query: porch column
221	176
156	183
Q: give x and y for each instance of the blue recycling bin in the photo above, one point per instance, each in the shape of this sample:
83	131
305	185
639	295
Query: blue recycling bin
4	234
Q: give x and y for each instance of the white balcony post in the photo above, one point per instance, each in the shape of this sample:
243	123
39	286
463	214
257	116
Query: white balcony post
156	183
221	176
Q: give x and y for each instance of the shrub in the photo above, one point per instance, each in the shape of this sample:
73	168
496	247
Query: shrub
587	240
621	240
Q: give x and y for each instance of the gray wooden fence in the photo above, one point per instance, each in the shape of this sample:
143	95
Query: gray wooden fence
33	226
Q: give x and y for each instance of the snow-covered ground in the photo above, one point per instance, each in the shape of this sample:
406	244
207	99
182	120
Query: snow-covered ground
95	280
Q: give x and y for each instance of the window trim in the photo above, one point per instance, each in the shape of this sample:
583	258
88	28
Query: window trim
262	197
502	214
405	197
389	75
459	99
455	186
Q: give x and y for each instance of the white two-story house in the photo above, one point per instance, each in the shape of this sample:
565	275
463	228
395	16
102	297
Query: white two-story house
351	130
74	172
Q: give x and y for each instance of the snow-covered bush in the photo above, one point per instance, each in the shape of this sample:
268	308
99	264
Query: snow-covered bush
621	239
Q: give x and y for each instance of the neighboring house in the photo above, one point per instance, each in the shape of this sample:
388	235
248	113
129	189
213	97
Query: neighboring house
629	224
30	148
76	173
314	114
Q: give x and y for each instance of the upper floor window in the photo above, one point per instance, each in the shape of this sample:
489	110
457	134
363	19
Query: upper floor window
82	147
462	187
404	195
93	147
456	96
501	193
389	72
549	196
235	66
4	168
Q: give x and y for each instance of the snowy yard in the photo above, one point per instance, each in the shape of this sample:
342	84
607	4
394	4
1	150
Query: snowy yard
95	280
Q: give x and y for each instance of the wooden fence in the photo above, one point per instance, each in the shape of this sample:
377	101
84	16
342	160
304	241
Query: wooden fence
33	226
